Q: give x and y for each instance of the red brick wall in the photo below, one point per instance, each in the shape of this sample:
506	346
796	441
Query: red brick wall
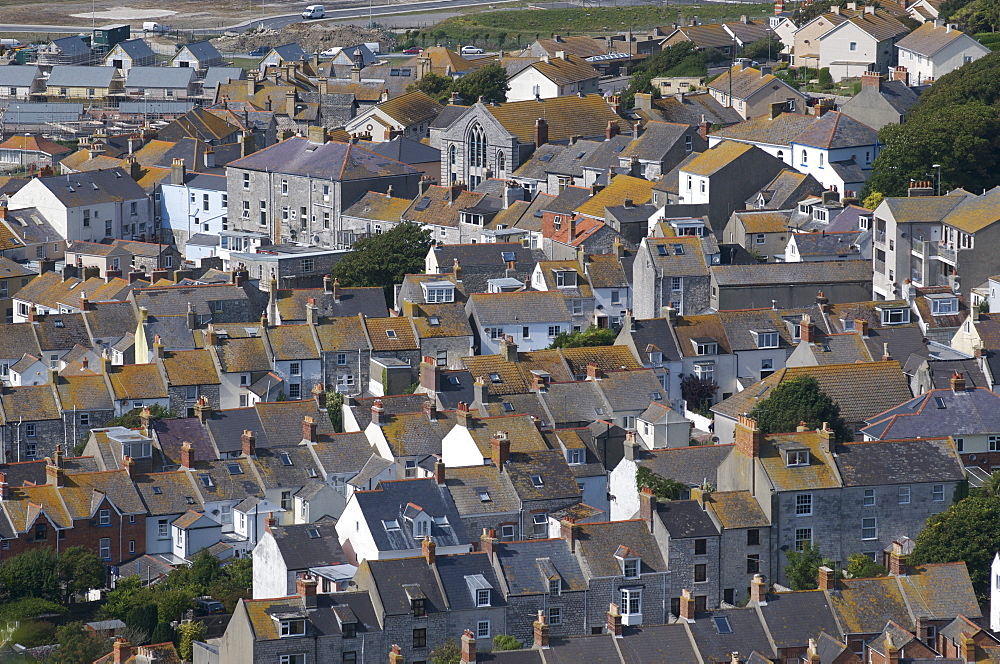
120	532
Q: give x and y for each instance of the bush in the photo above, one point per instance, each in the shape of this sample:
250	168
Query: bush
506	642
34	634
162	634
825	79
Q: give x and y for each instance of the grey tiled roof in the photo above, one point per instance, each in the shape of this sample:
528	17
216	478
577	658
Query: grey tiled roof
519	308
137	49
159	77
525	565
836	130
685	518
453	571
794	617
79	76
389	501
792	273
18	75
203	50
391	578
300	550
689	465
889	462
93	187
333	161
940	412
748	634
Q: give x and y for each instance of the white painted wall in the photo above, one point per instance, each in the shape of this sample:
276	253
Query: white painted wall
270	576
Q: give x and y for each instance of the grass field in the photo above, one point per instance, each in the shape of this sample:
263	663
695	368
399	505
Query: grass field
523	25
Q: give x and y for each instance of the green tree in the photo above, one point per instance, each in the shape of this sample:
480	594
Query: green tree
80	570
873	200
965	532
800	400
860	566
34	573
802	568
143	618
698	393
592	336
447	653
506	642
334	406
32	634
991	487
383	260
188	632
662	487
126	595
435	85
27	608
162	634
78	645
489	83
762	49
824	79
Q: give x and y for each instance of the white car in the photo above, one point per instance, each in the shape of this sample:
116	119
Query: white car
471	50
331	52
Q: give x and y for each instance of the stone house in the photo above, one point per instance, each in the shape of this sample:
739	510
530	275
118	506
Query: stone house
670	272
304	202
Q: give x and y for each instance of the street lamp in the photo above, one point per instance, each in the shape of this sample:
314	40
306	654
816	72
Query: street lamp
938	167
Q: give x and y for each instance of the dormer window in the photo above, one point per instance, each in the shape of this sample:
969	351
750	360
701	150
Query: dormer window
942	306
765	338
848	325
705	346
630	568
565	278
438	292
555	586
296	627
349	630
574	457
795	458
483	597
418	606
895	316
656	357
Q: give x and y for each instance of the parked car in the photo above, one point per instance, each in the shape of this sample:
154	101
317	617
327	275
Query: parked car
206	605
471	50
413	50
259	52
330	52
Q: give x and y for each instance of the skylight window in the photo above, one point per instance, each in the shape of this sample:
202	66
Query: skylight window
454	380
313	533
940	402
507	256
207	480
189	500
390	524
536	481
656	396
234	469
678	249
157	491
391	334
59	322
423	204
546	157
285	459
661	249
484	495
495	377
508	407
722	624
434	321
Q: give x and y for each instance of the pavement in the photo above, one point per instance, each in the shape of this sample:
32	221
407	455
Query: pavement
278	22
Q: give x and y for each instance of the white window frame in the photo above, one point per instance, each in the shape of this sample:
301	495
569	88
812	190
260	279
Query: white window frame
631	598
868	499
904	495
803	504
937	493
869	528
483	629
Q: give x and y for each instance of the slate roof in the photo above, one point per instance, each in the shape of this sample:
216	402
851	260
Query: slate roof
389	501
781	130
863	606
332	160
692	466
887	462
34	402
586	116
411	108
565	71
84	393
284	467
794	617
827	244
881	25
929	38
224	484
835	130
300	550
93	187
468	484
159	77
527	565
80	76
392	577
33	143
137	381
583	46
748	634
20	76
792	273
519	308
745	82
453	571
656	643
203	50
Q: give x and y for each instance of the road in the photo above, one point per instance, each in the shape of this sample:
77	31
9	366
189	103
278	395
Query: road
277	22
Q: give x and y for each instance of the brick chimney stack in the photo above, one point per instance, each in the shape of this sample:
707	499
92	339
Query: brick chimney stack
430	375
249	443
468	647
187	455
378	412
541	631
270	522
4	488
871	80
647	506
128	464
462	415
570	532
687	606
861	326
309	429
508	349
758	590
807	333
827	578
897	561
594	372
957	382
439	473
614	620
748	436
430	410
500	448
488	542
395	655
429	550
305	587
541	132
122	650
